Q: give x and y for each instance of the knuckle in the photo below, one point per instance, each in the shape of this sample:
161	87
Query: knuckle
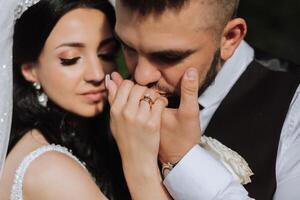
160	103
114	111
127	115
141	120
139	87
151	93
152	126
190	88
135	88
127	83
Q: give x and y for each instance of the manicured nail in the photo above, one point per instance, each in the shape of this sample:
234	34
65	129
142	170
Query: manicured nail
107	78
191	74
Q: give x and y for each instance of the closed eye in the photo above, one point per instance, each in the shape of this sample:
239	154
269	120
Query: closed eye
167	59
109	57
170	57
68	62
110	53
127	48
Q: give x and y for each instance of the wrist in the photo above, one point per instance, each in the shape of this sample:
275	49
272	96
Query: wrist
141	178
170	159
176	155
142	171
145	183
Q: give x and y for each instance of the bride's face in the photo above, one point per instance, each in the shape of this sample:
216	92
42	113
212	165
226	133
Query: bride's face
76	56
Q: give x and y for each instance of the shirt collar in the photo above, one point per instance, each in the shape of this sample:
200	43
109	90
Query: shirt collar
228	75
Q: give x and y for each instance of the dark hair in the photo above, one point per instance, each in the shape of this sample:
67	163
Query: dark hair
88	138
145	7
224	9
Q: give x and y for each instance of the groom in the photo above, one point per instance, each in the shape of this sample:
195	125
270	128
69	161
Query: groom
249	102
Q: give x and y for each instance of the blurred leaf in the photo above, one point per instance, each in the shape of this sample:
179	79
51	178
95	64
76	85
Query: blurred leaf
121	64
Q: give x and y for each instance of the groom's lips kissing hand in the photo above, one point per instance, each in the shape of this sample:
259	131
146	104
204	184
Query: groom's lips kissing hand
173	100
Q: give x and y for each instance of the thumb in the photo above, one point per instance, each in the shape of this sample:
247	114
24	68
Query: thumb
189	91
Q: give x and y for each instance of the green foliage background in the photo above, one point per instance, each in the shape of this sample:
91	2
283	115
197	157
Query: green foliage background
273	26
121	65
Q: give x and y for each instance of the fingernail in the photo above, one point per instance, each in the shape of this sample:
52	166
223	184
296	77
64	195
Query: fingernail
191	74
107	78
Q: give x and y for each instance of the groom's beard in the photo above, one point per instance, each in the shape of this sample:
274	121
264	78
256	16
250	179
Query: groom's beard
174	99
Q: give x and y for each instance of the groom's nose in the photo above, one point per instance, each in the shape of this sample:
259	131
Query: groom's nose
146	73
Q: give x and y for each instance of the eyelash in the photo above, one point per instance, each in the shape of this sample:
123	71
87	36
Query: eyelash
169	59
109	57
128	49
68	62
124	47
164	59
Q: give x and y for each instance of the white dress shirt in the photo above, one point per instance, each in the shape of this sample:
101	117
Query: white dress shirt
198	176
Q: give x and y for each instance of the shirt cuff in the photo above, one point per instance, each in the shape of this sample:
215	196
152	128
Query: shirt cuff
197	176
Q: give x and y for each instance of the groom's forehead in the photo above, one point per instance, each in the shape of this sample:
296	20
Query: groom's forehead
192	13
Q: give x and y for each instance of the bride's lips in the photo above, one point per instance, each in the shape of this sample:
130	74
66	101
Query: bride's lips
94	95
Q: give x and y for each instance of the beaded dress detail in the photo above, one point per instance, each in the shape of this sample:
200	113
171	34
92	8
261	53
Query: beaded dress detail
17	188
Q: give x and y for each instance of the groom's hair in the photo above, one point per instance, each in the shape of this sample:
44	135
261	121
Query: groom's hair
224	10
145	7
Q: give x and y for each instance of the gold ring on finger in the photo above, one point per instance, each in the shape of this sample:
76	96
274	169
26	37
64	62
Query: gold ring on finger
147	99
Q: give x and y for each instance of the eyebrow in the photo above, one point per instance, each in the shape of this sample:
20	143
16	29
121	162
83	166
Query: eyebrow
81	45
172	53
71	44
165	53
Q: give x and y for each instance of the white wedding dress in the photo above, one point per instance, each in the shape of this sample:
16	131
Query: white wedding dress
17	188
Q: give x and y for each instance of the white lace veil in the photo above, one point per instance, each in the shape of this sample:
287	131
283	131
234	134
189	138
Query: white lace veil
6	32
7	18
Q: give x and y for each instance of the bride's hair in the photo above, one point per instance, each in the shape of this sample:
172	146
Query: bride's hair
88	138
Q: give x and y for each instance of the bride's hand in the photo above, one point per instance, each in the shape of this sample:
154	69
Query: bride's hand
135	121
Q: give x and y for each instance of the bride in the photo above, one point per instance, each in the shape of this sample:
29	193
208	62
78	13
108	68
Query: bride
60	146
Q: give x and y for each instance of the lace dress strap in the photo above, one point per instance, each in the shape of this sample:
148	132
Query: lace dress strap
17	188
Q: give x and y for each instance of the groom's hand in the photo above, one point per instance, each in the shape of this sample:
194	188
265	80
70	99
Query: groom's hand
180	128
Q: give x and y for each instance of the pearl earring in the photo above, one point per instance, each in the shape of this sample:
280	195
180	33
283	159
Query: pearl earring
41	96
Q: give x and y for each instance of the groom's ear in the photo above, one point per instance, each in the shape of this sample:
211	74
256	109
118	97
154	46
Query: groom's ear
29	72
233	33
